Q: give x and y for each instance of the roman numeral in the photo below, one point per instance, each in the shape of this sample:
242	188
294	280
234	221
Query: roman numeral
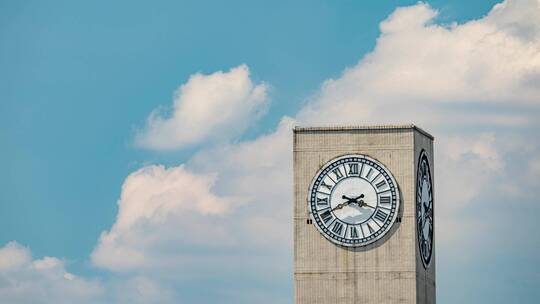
323	184
370	229
337	228
326	216
353	169
380	215
338	174
322	201
385	199
380	184
368	175
354	233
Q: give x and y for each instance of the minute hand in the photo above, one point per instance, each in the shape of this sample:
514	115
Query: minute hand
366	205
363	204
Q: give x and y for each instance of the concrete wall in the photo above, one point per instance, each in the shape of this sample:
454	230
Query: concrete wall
387	271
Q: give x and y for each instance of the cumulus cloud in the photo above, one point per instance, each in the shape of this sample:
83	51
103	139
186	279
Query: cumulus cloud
438	75
466	161
212	215
219	106
518	18
160	209
231	218
140	290
24	280
465	167
260	172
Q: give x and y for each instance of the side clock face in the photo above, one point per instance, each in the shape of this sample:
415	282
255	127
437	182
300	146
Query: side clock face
353	200
424	209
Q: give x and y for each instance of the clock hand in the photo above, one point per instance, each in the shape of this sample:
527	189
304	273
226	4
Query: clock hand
339	206
363	204
349	201
352	199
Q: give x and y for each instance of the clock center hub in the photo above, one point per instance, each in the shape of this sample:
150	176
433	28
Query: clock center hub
359	197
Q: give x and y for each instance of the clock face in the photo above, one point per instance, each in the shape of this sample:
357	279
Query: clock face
424	209
353	200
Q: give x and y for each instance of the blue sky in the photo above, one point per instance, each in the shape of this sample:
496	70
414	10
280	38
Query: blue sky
79	81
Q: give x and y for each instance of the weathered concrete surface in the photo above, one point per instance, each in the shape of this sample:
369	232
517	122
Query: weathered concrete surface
387	271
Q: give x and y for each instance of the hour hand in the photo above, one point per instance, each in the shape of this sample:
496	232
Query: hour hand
354	199
339	206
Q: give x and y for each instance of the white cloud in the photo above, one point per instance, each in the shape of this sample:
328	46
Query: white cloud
23	280
259	171
219	106
230	218
466	165
518	18
161	208
13	256
140	289
438	75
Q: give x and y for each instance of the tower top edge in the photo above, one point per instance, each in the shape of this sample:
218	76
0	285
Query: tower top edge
316	129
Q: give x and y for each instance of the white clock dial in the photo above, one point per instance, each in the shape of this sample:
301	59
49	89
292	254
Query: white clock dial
353	200
424	209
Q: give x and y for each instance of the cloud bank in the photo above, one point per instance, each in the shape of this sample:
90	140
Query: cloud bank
440	75
475	86
27	280
159	209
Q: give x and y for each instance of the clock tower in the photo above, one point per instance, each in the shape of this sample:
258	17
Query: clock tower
363	215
